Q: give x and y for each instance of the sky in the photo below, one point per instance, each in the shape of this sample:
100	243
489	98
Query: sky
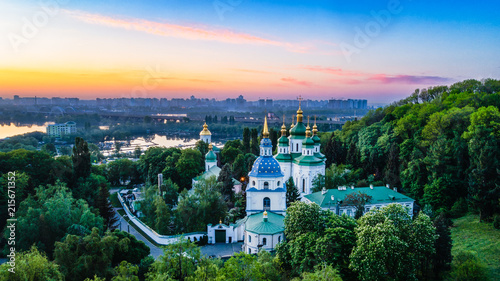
376	50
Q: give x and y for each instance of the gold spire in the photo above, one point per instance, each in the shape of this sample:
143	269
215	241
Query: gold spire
210	146
205	131
315	128
293	120
265	132
299	112
308	129
283	127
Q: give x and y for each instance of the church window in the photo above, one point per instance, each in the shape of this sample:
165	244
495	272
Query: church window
266	185
249	239
349	212
303	185
278	185
253	183
279	239
267	203
264	241
297	147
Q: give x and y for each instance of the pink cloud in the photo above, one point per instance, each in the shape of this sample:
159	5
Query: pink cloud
198	32
297	82
358	77
408	79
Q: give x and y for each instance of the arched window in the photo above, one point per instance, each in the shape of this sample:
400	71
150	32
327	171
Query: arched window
253	183
267	203
278	184
303	185
266	185
297	147
279	239
249	239
264	241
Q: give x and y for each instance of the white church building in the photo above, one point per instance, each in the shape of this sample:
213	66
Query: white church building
298	157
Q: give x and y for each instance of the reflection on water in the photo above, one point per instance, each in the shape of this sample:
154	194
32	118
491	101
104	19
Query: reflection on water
12	129
144	143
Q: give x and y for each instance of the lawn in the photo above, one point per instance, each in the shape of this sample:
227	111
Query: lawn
469	234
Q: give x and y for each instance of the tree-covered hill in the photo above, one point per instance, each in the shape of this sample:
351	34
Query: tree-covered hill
440	145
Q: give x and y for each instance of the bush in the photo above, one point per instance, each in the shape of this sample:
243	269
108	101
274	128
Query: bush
467	267
459	209
496	222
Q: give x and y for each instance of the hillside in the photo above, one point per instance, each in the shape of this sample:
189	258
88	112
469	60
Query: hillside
471	235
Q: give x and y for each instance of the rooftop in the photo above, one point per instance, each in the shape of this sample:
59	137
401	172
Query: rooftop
379	194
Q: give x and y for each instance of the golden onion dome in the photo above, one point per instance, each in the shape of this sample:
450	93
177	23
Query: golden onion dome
205	131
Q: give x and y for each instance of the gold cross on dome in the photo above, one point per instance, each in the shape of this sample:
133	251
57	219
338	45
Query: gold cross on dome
300	99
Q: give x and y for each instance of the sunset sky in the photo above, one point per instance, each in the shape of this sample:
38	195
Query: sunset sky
376	50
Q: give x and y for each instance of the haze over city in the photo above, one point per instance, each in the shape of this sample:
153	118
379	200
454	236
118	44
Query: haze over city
375	50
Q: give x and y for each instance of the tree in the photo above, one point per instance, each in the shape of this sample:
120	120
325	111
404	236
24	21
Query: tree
50	148
163	216
202	147
105	208
292	193
483	135
84	257
254	145
137	152
239	167
391	245
170	191
226	179
190	164
177	262
322	273
246	139
47	216
316	237
31	265
81	159
442	258
358	200
202	207
88	188
126	272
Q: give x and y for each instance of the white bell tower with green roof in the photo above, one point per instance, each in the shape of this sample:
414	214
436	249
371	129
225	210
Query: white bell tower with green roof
299	155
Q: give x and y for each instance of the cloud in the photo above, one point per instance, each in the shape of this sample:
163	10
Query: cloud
409	79
193	32
297	82
357	77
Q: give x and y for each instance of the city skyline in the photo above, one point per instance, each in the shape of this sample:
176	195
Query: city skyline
220	49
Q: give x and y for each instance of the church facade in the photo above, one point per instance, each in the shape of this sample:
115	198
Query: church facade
263	227
299	154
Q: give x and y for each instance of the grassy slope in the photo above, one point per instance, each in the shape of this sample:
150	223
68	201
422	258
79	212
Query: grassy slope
469	234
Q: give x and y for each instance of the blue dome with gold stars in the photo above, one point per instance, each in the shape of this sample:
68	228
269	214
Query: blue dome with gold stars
266	166
265	142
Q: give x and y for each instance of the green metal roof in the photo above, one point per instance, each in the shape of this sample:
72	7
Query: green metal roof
308	160
379	194
308	143
283	157
298	130
283	140
255	223
215	148
316	139
211	156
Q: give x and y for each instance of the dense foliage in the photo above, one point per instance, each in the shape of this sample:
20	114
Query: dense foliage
439	145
